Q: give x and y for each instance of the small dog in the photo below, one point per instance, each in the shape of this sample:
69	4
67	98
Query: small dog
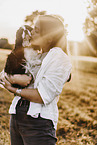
16	60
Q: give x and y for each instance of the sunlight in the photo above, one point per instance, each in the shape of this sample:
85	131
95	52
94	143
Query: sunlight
73	12
76	14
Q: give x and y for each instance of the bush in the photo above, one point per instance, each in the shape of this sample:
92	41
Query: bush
5	44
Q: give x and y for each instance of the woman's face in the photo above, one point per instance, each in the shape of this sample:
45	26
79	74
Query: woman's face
40	35
46	33
36	36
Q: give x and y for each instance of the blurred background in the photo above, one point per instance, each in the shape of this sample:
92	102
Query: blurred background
79	16
78	101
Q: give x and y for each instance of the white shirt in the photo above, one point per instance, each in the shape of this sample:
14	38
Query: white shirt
50	79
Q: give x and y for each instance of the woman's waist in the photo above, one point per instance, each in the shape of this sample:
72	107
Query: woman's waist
22	105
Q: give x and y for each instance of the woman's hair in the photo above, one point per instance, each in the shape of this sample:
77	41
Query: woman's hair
23	36
52	28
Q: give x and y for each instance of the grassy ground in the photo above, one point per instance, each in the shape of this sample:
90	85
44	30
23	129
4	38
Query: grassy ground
77	110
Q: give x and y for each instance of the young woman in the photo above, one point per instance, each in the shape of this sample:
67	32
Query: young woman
34	112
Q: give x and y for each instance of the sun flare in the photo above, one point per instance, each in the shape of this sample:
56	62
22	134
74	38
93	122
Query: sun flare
73	12
75	16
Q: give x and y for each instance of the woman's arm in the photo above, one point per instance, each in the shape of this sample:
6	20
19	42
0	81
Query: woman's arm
20	79
29	94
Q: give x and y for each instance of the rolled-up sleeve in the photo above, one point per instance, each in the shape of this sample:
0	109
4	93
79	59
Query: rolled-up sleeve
57	72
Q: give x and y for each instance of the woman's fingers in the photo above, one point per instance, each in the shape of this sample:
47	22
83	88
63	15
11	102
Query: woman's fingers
2	83
22	80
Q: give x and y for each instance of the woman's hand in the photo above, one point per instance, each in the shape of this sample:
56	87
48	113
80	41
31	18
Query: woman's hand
20	79
29	94
6	84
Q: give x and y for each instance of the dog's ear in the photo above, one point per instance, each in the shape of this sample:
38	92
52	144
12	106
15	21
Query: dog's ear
14	62
10	64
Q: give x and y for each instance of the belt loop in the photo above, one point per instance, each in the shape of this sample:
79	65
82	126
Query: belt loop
21	103
39	115
24	103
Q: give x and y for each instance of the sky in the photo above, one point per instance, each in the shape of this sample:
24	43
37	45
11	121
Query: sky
13	13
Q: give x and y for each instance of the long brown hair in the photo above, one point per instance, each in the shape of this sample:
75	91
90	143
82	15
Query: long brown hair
53	29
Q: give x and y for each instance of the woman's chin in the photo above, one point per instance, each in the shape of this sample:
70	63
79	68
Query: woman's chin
36	47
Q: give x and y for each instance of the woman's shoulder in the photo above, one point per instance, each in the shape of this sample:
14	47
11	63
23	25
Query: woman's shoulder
57	52
56	55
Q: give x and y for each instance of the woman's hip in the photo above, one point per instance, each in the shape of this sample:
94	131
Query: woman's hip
35	129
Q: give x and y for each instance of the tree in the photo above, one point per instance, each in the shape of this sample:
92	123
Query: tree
5	44
33	16
90	25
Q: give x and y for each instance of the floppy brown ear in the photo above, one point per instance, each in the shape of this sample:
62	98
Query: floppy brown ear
14	62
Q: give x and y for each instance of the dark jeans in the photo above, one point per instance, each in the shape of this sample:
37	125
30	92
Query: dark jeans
26	130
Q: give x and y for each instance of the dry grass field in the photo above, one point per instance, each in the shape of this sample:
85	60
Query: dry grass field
77	109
